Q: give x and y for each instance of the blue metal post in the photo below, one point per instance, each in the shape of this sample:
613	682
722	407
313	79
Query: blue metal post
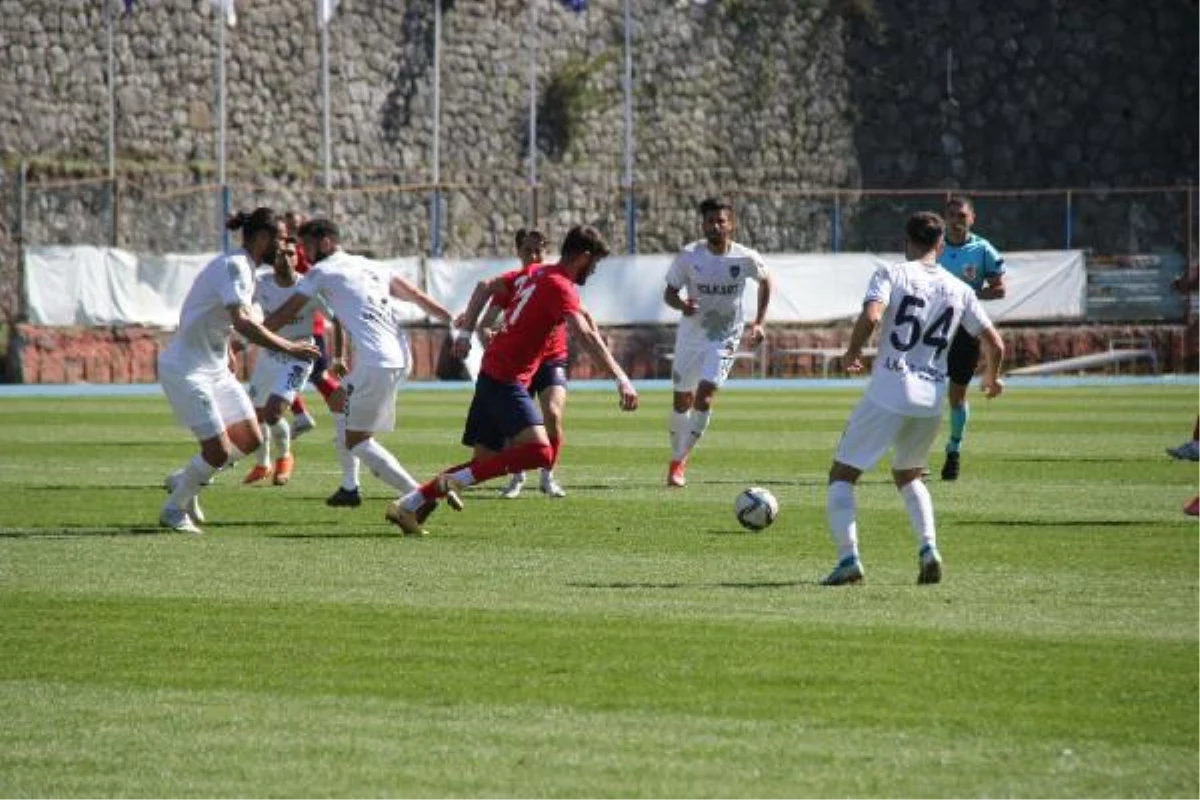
1068	222
837	222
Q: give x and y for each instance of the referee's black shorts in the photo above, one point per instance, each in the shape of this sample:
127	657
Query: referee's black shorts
963	358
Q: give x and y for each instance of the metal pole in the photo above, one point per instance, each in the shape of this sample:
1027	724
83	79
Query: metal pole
112	126
223	200
1068	222
630	207
533	154
326	138
435	212
22	289
837	222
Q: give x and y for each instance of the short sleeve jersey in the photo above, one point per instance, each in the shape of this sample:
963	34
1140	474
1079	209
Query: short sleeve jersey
973	262
358	292
556	343
270	296
202	341
540	304
718	282
925	307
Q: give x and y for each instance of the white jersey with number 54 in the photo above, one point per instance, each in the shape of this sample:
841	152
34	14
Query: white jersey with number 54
925	306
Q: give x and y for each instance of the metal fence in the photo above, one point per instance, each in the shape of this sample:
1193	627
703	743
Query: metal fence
392	214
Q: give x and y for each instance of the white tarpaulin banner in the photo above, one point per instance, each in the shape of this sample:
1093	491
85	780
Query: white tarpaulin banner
807	287
105	286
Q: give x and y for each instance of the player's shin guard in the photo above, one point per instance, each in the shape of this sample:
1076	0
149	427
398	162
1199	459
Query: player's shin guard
920	512
384	465
841	510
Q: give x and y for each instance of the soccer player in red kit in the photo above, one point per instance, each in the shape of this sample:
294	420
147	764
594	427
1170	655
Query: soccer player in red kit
549	383
502	410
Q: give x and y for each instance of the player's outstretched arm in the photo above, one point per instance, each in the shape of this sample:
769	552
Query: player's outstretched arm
585	331
262	336
403	290
993	357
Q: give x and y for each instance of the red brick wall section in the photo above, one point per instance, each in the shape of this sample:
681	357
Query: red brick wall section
129	355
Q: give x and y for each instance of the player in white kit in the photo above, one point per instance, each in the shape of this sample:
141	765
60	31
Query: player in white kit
363	295
277	378
705	283
194	368
921	307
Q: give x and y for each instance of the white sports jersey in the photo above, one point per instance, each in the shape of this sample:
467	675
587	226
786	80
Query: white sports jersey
202	341
717	282
925	306
270	296
358	292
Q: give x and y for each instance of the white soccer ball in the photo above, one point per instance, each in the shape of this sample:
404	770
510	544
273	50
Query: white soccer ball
756	508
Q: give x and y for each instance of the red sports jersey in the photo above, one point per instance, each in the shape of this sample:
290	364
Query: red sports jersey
536	308
556	343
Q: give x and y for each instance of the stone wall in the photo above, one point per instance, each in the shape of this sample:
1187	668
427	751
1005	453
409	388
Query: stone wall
777	102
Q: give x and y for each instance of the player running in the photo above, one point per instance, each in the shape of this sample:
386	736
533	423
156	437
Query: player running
504	426
194	368
362	295
277	378
973	260
712	272
549	383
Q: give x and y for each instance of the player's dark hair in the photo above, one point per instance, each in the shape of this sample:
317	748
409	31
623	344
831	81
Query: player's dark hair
319	228
960	201
251	222
523	234
710	204
583	239
924	229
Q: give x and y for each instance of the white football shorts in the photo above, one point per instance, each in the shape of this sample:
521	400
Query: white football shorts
371	397
873	429
709	362
206	402
277	374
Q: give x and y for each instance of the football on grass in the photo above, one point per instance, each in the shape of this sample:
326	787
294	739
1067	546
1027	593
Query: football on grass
756	508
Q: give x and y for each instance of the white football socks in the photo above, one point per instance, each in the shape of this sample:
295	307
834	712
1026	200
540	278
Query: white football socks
681	434
384	465
189	480
349	461
842	511
920	513
281	437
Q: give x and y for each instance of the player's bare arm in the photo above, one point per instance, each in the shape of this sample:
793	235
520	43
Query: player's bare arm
673	299
404	290
262	336
584	330
993	289
992	346
757	333
864	327
480	297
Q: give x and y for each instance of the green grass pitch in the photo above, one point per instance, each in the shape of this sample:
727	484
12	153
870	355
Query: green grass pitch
626	641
